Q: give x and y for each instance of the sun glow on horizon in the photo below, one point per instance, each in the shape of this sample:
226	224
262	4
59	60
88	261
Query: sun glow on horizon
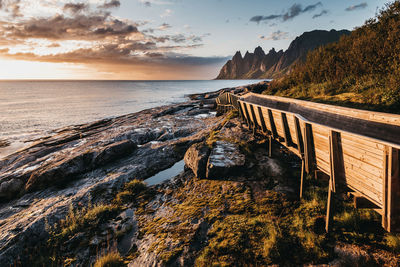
22	69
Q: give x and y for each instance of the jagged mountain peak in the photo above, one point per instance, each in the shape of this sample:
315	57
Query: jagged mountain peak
259	51
237	55
259	65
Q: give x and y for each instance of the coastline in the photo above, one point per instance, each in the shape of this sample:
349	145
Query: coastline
25	121
87	158
80	193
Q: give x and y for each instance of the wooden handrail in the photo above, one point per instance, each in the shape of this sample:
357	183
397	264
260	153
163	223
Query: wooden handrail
361	155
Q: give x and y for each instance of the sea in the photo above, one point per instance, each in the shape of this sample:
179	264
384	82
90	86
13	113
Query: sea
31	109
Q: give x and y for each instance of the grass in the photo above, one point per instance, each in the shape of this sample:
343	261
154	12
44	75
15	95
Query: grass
130	192
392	241
268	229
363	93
110	259
88	221
84	219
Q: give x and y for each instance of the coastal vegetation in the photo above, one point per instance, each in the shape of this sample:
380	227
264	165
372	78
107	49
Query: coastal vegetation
360	70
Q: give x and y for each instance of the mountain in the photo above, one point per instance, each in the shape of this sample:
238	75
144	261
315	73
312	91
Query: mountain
259	65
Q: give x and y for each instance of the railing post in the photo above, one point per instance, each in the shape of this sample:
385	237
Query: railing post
263	125
308	148
270	146
286	130
336	173
272	124
302	176
392	220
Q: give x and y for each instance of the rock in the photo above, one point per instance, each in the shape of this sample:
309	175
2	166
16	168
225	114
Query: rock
114	151
95	159
225	158
10	187
196	159
71	166
274	168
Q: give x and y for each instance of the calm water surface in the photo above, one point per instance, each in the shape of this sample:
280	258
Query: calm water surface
29	109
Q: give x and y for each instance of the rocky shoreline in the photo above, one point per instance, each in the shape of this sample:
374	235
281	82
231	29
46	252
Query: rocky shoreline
78	195
40	182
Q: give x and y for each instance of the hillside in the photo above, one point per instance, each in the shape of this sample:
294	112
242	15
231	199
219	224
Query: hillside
259	65
361	70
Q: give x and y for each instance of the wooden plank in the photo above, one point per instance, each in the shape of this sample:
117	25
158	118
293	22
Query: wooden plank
278	123
253	115
358	149
302	177
300	144
363	166
263	125
337	162
241	111
329	207
292	128
368	191
373	152
322	130
369	143
381	117
393	199
385	188
249	123
308	147
369	180
363	156
272	124
285	127
322	166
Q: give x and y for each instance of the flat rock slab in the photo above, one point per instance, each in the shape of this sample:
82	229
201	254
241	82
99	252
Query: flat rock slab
225	158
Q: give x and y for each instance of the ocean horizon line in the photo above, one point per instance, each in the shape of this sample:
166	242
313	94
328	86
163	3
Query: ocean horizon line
109	80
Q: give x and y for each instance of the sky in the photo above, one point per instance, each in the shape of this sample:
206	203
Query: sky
155	39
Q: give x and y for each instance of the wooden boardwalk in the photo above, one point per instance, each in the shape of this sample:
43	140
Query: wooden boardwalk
358	150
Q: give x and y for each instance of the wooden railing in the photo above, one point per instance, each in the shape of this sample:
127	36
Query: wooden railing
358	150
227	101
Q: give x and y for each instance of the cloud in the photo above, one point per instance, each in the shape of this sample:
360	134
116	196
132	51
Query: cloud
167	13
53	45
323	12
11	6
91	35
110	4
75	7
356	7
260	18
149	3
292	12
164	27
278	35
79	27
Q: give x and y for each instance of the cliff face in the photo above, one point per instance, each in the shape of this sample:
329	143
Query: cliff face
259	65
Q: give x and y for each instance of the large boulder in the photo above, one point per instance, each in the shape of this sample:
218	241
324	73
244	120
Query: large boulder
196	159
225	159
